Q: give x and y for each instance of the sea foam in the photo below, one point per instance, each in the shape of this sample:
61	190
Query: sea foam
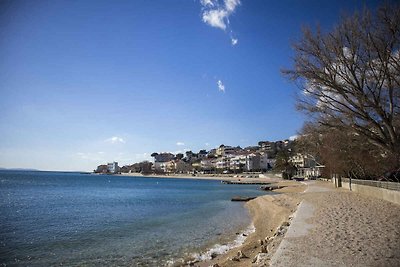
219	249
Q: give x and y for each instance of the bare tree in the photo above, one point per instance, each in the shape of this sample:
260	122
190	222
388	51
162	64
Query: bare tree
343	152
350	77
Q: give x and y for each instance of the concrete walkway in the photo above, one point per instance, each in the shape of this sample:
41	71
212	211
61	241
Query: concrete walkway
298	228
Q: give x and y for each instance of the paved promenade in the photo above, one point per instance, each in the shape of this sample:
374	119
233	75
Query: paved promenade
335	227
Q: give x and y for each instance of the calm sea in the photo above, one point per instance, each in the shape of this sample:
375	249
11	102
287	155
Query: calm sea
54	218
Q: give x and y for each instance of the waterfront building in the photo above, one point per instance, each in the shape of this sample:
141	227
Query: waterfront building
306	165
113	167
223	150
223	163
208	164
237	163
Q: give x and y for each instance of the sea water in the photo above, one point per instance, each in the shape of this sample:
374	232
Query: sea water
55	218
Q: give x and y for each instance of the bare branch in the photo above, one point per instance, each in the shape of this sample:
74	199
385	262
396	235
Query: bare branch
351	75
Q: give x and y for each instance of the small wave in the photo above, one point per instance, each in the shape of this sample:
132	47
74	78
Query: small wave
220	249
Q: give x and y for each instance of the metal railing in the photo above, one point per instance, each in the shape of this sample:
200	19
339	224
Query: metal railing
380	184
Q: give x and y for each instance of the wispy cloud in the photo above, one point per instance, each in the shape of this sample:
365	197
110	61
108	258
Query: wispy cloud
180	143
234	41
231	5
216	14
115	140
215	18
221	86
207	2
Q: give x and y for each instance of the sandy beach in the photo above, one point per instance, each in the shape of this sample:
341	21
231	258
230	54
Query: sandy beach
333	227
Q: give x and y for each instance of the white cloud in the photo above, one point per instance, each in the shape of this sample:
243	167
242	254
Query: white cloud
207	144
217	15
293	137
180	143
234	41
115	140
207	2
230	5
215	18
221	86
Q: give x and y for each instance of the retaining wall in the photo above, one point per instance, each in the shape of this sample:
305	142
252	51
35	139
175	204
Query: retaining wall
381	193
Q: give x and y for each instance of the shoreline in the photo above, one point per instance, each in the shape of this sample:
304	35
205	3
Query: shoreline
272	178
270	215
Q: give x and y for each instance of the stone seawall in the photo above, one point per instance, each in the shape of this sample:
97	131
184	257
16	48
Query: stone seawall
381	193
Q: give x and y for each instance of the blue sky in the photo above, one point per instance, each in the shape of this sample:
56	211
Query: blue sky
88	82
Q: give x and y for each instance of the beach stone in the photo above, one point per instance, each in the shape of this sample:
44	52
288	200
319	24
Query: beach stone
261	242
260	258
215	265
264	249
286	223
193	262
236	258
241	255
213	255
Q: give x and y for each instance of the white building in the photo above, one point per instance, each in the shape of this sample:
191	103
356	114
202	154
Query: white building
223	163
306	166
237	163
223	150
265	162
208	164
161	166
258	162
113	167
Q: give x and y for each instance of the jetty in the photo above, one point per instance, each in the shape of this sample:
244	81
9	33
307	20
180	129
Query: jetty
271	187
245	182
245	199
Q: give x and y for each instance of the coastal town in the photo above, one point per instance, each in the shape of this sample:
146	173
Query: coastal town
203	133
266	156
